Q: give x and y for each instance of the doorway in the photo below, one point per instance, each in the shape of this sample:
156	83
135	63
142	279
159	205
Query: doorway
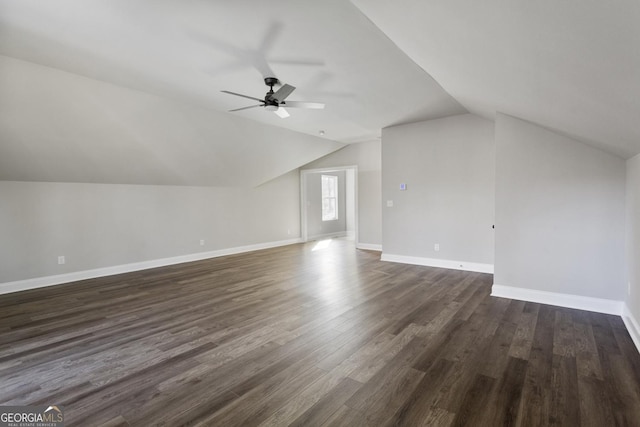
329	203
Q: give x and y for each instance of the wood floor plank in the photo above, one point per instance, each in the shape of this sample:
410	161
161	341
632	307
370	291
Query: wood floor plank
563	338
304	400
586	351
383	395
565	408
497	358
345	416
535	404
293	336
364	371
470	412
418	407
507	394
623	389
329	404
595	405
629	351
523	336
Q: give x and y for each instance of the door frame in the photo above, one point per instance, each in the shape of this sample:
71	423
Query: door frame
304	173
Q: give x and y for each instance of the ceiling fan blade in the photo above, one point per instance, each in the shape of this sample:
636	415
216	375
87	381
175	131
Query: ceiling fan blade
244	96
308	105
282	93
282	113
246	108
272	34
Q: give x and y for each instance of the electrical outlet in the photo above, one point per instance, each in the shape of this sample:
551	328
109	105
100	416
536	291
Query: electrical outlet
389	203
201	242
436	247
61	260
288	231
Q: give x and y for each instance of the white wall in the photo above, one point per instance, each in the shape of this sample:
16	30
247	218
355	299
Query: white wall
560	213
365	155
316	227
100	225
632	298
448	166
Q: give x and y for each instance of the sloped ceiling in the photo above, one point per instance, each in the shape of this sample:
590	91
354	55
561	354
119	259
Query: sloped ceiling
58	126
120	91
572	66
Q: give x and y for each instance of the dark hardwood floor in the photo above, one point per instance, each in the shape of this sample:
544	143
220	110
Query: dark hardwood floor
293	336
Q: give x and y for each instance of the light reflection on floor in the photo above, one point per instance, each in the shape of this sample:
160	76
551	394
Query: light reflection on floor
330	287
322	244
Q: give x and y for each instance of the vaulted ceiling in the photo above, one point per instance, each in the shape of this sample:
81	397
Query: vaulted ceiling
572	66
120	91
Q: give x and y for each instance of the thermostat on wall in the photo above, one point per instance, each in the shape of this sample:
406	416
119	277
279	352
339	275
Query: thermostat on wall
403	187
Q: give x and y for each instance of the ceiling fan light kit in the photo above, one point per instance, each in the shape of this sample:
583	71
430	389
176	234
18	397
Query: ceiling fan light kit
275	101
282	113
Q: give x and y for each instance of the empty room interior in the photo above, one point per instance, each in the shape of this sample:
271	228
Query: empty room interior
320	213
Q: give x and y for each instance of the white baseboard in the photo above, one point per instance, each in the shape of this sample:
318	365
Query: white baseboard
369	247
632	325
442	263
40	282
599	305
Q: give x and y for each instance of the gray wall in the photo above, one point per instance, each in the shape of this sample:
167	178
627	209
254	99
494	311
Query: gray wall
316	227
633	236
560	213
101	225
365	155
448	165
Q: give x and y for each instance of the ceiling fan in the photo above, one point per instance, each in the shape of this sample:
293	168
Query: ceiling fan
275	101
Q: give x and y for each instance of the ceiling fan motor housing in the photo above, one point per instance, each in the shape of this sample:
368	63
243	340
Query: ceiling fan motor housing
270	81
270	104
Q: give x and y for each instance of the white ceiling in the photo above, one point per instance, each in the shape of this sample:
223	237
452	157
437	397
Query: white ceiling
121	91
572	66
189	51
129	91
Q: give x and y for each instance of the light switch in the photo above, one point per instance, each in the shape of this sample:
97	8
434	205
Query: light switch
389	203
